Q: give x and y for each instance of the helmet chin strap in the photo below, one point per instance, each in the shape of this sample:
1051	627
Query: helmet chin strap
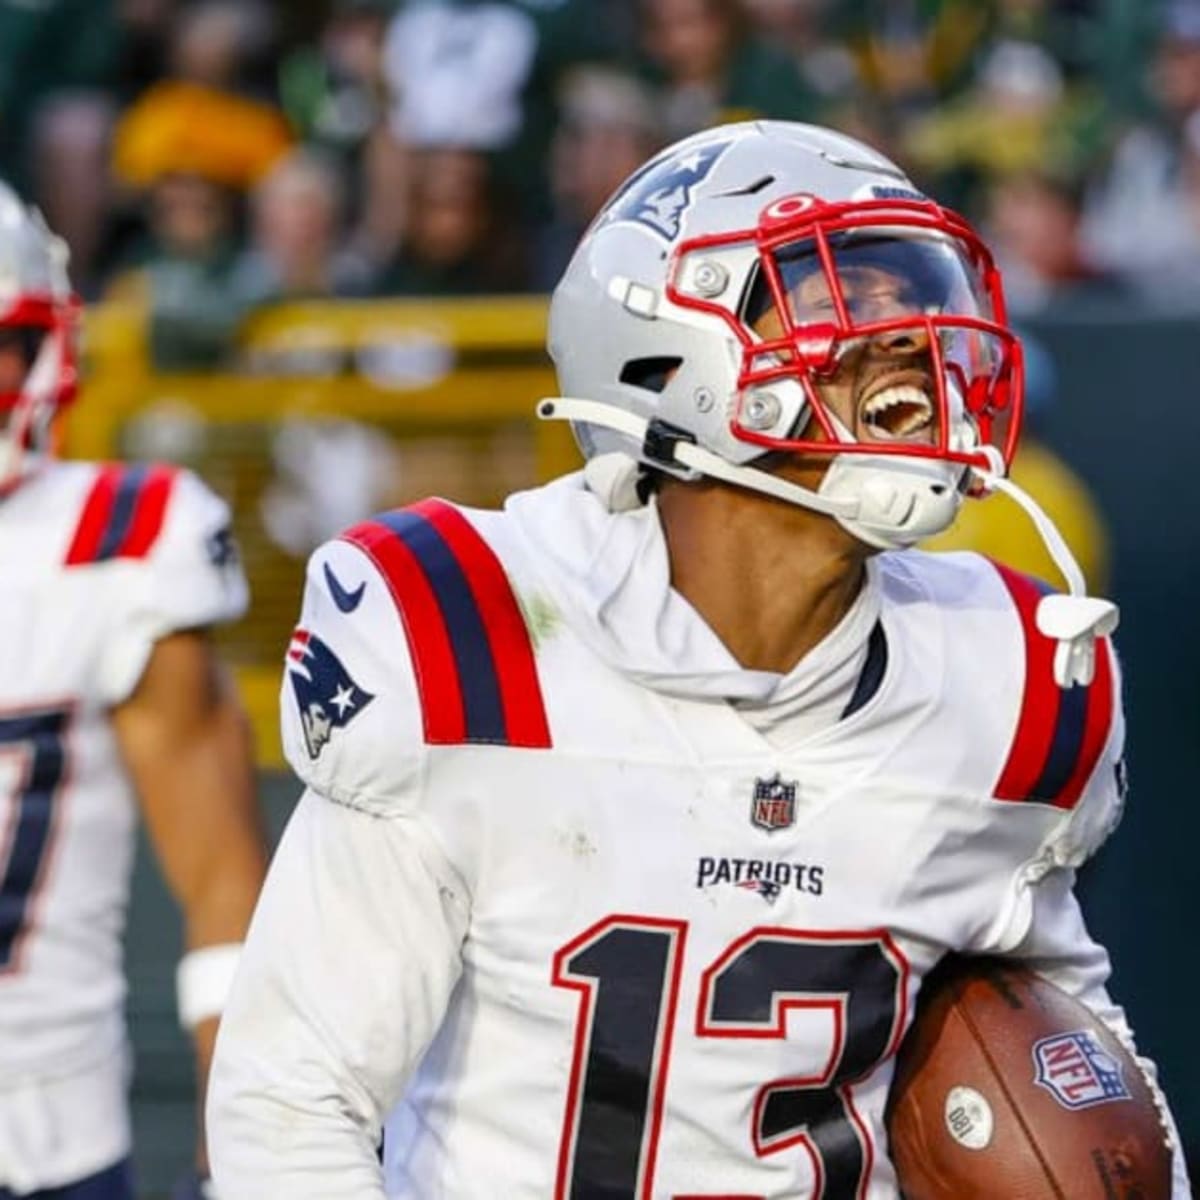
658	440
1074	621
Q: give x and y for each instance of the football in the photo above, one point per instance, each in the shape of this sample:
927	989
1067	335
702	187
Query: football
1007	1087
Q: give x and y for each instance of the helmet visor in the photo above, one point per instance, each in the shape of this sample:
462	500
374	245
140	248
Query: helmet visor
815	302
867	278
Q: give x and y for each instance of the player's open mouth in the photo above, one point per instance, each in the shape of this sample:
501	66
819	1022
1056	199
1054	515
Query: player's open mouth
898	410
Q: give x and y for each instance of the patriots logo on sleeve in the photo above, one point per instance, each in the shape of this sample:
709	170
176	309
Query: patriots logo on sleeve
221	548
326	696
659	195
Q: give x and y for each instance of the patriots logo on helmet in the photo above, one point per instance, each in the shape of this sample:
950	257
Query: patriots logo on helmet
658	196
327	697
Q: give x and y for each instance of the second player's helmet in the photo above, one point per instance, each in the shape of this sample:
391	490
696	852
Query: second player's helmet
38	318
735	274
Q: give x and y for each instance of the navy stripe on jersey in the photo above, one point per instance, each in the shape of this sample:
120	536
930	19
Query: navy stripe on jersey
121	517
873	671
1065	745
1068	732
478	678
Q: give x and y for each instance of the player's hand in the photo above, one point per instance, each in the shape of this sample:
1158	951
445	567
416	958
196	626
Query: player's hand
194	1186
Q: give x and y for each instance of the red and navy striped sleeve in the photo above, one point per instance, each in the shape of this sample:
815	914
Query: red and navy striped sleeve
123	514
1060	732
472	655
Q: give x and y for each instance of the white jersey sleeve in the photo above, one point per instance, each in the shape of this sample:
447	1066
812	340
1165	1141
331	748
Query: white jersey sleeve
189	578
349	703
1102	801
355	946
346	973
1046	928
1087	823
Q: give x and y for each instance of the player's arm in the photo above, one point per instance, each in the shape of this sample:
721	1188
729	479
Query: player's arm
346	975
186	743
1047	930
357	940
1058	946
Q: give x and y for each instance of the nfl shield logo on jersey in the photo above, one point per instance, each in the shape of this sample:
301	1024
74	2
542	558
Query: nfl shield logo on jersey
774	804
1077	1071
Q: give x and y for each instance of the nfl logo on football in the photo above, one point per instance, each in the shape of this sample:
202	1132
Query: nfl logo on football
1077	1071
774	804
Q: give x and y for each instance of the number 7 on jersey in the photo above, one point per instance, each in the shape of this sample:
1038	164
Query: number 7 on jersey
36	738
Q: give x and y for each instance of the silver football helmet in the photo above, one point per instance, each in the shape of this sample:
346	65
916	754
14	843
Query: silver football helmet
741	276
38	321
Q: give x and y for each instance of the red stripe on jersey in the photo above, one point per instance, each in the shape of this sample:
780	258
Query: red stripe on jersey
298	646
149	513
442	711
97	509
1095	729
508	635
1039	704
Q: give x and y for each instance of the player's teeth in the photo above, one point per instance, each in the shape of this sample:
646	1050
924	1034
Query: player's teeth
898	411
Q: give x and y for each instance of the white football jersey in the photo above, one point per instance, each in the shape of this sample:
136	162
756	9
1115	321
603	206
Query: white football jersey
587	928
97	563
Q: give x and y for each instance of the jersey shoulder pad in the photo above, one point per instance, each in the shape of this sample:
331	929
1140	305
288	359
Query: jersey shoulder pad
195	558
1053	743
176	531
1062	739
470	645
410	619
160	545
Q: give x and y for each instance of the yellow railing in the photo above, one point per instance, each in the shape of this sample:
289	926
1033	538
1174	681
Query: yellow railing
428	375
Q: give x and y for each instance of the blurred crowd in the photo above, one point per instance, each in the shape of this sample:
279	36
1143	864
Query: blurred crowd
213	156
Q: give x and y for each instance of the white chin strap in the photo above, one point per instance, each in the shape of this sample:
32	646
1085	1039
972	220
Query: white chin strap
696	458
1073	621
901	500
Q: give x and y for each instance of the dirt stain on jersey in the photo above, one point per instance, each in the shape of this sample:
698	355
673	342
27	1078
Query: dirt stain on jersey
576	843
542	617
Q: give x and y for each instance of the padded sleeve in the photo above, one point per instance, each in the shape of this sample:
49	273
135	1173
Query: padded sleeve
190	578
1100	806
349	704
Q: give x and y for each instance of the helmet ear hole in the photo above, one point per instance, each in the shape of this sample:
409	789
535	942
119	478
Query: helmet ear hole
652	374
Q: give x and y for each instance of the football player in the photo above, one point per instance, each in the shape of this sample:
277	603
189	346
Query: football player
112	702
637	812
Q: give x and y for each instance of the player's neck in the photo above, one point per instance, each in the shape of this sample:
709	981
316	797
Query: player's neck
770	579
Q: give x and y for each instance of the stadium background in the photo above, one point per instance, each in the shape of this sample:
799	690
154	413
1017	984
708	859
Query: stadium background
315	241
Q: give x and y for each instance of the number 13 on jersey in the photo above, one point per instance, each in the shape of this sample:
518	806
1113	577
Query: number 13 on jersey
628	972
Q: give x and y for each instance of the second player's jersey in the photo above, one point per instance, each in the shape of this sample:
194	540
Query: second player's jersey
687	955
97	563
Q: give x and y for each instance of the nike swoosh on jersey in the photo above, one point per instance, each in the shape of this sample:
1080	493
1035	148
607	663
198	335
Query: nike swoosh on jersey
346	601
